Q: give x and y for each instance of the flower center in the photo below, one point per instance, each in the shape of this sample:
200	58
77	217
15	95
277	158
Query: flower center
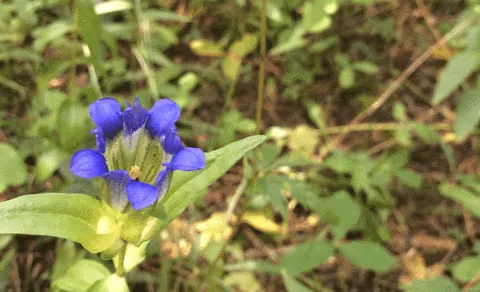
134	172
139	154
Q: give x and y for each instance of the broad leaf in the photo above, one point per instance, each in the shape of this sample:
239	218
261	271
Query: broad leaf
467	114
306	256
76	217
456	71
368	255
344	211
112	283
186	187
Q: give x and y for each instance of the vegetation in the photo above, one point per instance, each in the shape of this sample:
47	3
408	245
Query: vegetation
368	179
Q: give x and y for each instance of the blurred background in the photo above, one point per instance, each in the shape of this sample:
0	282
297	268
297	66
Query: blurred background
369	180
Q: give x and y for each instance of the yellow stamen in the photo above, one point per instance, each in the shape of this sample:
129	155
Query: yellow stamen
134	172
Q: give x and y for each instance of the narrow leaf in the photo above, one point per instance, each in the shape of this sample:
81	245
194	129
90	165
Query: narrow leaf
456	72
186	187
462	196
90	30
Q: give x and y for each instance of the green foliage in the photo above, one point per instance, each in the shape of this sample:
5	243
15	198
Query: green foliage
71	216
186	187
325	60
433	285
12	170
306	256
368	255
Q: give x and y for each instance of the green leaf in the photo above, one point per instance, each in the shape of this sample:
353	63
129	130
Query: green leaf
66	256
470	181
365	67
467	114
72	126
82	275
244	46
90	30
48	162
306	256
344	211
258	266
456	72
206	48
186	187
433	285
464	197
346	78
112	283
12	169
368	255
270	187
75	217
410	178
399	112
293	285
466	269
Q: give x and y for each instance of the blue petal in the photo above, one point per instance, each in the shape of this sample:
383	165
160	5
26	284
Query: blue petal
88	163
141	195
162	183
100	138
172	143
106	114
117	181
163	116
188	159
134	117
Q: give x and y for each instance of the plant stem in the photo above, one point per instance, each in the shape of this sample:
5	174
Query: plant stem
380	127
121	261
261	71
72	85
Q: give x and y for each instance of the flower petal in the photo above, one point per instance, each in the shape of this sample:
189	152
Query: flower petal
188	159
141	195
88	163
172	143
100	139
117	181
134	117
162	183
106	114
163	116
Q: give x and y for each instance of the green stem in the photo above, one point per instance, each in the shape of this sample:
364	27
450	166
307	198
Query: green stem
72	86
121	261
261	71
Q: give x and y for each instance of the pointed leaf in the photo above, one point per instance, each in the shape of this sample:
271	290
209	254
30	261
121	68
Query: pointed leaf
456	72
186	187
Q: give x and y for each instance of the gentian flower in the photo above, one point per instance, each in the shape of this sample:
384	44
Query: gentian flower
137	151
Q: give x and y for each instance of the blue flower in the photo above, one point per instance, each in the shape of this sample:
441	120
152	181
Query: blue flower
137	151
